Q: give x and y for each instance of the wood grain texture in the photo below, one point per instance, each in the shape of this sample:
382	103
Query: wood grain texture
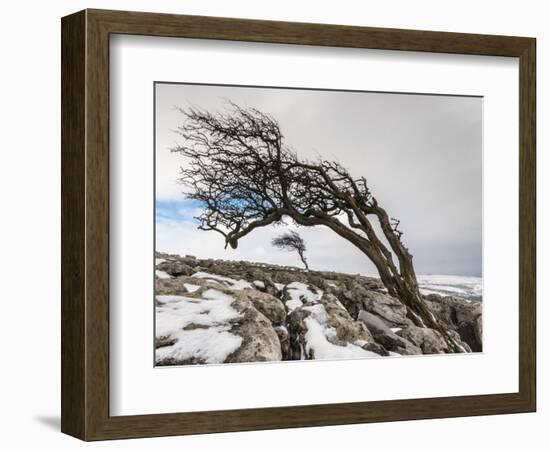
85	224
152	24
73	226
527	224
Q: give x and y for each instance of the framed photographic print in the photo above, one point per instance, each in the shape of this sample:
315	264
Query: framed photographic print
271	225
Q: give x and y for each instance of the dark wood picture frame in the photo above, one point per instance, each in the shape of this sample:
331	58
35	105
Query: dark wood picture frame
85	224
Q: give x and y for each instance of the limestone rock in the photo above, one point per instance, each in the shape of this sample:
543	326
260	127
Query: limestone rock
429	340
347	329
376	348
260	341
175	268
460	315
270	306
388	308
384	336
169	286
284	340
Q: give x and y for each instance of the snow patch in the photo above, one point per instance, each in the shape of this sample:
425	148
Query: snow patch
318	312
208	337
316	338
159	261
291	305
191	287
176	312
299	294
211	345
318	333
162	274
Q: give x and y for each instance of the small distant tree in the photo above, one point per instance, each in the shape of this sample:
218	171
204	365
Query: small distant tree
291	241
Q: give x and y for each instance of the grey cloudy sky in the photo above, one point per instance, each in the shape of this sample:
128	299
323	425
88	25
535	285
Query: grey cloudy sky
421	155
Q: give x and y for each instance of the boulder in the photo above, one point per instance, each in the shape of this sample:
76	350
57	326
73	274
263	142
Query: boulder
458	339
376	348
460	315
374	323
175	268
428	339
352	298
284	339
270	306
176	286
385	337
265	284
260	341
315	280
169	286
297	329
388	308
347	329
478	330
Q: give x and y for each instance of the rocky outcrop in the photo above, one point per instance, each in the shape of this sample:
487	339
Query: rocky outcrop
270	306
392	312
460	315
386	337
347	329
216	311
260	341
170	286
324	330
177	267
428	340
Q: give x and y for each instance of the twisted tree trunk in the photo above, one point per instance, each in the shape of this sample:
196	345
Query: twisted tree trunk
303	258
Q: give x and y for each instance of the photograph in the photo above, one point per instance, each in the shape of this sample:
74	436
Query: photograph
295	223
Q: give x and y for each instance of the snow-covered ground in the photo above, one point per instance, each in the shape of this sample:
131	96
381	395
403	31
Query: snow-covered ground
199	328
318	330
470	288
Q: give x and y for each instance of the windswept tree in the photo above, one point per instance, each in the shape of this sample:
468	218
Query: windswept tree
292	242
246	177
